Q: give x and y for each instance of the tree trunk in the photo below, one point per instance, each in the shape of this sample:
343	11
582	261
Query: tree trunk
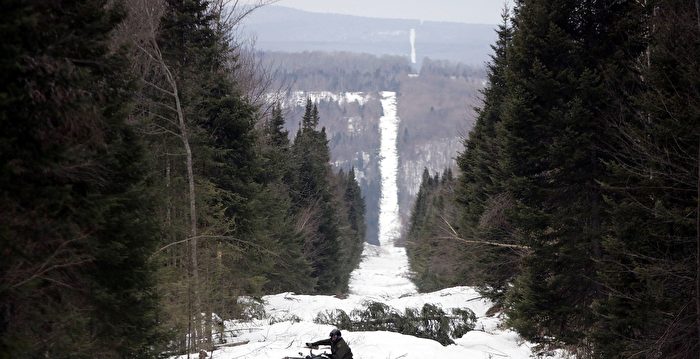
169	212
193	212
208	310
184	136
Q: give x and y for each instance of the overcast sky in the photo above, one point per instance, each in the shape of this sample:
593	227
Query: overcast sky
467	11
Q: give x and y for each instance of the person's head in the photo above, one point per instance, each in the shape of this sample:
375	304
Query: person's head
335	335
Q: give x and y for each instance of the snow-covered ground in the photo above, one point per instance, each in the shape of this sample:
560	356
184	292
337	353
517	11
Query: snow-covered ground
276	337
383	277
383	272
298	98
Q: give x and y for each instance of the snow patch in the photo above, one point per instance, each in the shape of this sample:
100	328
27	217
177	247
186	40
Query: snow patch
412	38
386	263
289	324
298	98
383	277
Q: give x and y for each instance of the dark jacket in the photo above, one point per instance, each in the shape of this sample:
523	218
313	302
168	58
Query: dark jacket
339	349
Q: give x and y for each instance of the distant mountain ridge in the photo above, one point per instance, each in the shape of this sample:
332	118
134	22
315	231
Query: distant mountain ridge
279	28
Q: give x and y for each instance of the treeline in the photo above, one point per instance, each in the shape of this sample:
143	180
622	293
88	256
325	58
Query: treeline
578	195
436	261
335	71
445	68
354	148
143	191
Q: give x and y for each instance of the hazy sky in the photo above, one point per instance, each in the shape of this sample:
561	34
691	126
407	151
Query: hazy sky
468	11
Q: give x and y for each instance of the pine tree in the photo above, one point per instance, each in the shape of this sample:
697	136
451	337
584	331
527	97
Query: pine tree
291	270
77	230
312	194
436	258
554	128
481	190
651	266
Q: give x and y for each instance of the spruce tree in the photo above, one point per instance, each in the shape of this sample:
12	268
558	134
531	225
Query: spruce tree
554	128
77	226
651	267
352	224
481	192
312	193
355	202
291	270
211	206
436	258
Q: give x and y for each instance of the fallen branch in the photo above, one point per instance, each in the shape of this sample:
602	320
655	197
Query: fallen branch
231	344
455	235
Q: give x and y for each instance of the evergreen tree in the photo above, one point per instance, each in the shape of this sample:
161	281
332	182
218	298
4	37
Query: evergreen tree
437	259
355	203
352	224
178	84
481	190
291	270
217	249
275	128
650	268
77	227
554	128
591	93
312	194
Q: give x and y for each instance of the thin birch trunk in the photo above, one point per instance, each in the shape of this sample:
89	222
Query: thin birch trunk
184	136
208	310
193	217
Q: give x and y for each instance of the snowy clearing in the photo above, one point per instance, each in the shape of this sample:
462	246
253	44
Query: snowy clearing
381	277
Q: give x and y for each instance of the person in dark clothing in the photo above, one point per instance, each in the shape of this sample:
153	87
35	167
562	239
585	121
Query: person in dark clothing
339	348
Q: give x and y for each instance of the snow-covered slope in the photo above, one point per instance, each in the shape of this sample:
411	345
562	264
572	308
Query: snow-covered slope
287	337
385	264
299	98
383	277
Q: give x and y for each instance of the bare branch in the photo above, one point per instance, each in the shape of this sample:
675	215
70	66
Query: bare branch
455	235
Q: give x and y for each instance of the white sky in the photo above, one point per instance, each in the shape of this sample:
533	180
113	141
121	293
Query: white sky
466	11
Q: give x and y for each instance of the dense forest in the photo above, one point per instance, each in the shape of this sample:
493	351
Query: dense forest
435	106
143	190
353	140
335	71
576	204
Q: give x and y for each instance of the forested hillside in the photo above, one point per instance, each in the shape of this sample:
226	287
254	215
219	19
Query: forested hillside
435	109
577	195
155	183
335	71
142	189
278	28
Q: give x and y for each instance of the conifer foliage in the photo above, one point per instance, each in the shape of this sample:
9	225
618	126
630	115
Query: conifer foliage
582	174
431	248
77	213
143	192
318	196
482	192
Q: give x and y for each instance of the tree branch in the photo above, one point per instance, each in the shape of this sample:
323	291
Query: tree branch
455	235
